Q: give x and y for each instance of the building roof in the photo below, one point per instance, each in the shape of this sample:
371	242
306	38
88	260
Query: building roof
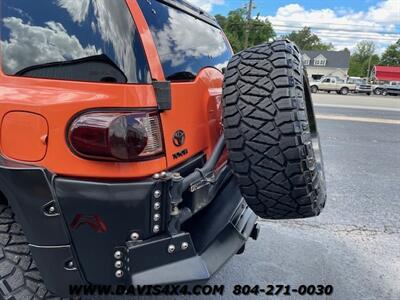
387	73
334	59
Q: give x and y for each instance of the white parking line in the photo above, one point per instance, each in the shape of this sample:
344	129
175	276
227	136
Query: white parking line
357	107
357	119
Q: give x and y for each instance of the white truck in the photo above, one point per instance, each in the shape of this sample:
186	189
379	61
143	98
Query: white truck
332	84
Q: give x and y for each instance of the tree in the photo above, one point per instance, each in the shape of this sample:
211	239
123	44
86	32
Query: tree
391	57
363	57
234	26
306	40
347	50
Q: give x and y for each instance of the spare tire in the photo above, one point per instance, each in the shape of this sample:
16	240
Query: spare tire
271	133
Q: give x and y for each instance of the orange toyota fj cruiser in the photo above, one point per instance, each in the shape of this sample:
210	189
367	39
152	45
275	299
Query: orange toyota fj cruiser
114	120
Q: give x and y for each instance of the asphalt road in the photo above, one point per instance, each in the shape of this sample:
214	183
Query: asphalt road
354	245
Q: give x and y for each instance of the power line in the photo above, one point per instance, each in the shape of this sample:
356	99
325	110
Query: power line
327	23
291	27
355	35
334	33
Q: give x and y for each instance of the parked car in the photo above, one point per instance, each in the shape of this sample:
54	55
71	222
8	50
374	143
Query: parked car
332	84
112	161
392	88
362	85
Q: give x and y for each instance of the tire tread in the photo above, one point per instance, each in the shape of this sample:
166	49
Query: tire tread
19	275
267	132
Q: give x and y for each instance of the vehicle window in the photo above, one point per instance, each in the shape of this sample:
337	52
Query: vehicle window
326	80
87	40
185	44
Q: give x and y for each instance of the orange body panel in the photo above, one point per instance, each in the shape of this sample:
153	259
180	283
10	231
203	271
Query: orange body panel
24	136
58	102
195	110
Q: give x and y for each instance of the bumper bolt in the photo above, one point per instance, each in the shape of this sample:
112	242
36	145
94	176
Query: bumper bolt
184	246
163	174
157	205
156	228
157	194
118	255
171	248
118	264
52	209
156	217
69	265
156	176
176	176
119	273
134	236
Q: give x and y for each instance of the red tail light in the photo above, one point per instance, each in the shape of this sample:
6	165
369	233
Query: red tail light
124	136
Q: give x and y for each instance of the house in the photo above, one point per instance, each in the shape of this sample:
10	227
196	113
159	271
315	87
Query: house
386	73
326	63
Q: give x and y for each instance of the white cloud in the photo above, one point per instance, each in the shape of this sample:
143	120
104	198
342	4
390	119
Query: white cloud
77	9
386	12
206	4
30	44
194	41
342	26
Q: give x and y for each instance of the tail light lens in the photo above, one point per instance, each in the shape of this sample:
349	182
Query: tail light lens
118	136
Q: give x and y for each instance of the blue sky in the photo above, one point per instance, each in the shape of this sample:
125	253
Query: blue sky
269	7
341	22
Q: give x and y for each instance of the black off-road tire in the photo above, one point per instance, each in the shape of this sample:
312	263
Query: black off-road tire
19	275
271	133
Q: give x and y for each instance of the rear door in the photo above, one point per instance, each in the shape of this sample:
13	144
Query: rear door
193	51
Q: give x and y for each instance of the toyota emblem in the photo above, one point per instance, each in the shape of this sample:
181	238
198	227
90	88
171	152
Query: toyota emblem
179	138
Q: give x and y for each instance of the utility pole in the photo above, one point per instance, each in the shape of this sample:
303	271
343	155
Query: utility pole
247	29
369	67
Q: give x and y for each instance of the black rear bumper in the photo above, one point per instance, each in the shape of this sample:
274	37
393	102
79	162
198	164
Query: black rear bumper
76	242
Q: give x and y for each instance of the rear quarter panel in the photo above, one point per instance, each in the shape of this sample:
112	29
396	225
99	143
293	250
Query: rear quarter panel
58	101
